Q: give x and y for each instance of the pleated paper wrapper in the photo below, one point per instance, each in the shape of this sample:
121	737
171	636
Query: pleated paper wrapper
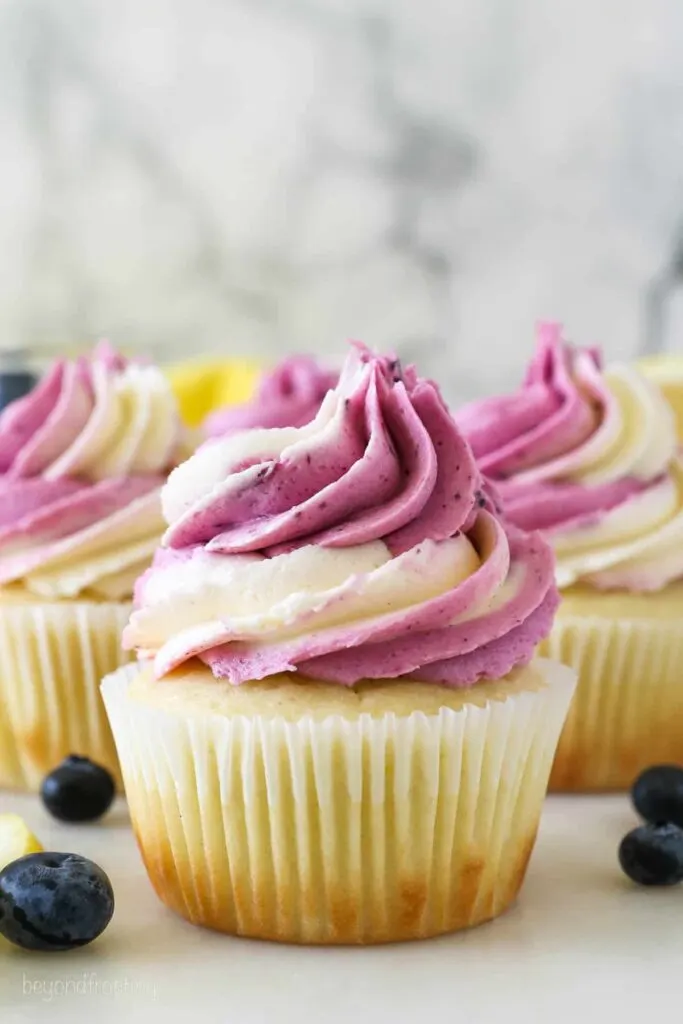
52	659
627	713
340	830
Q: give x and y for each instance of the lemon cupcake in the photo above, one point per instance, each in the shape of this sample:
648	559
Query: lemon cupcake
589	456
338	731
289	395
82	459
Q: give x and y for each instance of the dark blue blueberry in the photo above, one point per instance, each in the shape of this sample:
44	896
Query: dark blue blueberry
15	384
78	790
653	854
658	794
54	901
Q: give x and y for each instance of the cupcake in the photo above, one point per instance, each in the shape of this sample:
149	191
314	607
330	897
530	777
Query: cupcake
287	396
82	459
338	732
588	455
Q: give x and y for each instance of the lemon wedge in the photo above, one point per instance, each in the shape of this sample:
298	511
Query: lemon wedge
667	372
202	387
16	839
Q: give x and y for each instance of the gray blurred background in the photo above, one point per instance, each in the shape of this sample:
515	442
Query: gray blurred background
252	176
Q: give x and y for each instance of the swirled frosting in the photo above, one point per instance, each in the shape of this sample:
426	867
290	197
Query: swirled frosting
82	460
288	396
587	454
363	545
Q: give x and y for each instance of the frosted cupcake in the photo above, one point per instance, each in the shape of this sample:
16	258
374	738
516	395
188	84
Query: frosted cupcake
338	732
287	396
588	456
82	460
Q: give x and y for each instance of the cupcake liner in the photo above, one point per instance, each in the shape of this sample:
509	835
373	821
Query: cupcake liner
52	659
627	713
338	830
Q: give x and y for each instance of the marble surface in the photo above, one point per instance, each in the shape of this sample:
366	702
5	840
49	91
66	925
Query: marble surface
582	944
253	175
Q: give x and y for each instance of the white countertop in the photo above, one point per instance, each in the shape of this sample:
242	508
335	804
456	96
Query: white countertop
583	944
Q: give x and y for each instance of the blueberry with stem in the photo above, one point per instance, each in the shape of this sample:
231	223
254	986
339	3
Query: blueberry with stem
78	790
657	794
54	901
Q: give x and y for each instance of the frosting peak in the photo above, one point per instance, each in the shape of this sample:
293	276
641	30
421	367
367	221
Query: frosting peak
382	460
93	419
82	460
586	453
572	420
363	544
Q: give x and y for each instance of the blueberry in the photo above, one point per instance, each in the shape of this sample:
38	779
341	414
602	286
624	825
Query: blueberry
54	901
78	790
657	794
653	854
15	384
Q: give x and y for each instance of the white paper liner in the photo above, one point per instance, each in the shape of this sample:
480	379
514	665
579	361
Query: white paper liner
52	659
341	830
627	713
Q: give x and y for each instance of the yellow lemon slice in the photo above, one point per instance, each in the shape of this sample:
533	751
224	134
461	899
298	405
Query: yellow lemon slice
667	372
202	387
16	839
